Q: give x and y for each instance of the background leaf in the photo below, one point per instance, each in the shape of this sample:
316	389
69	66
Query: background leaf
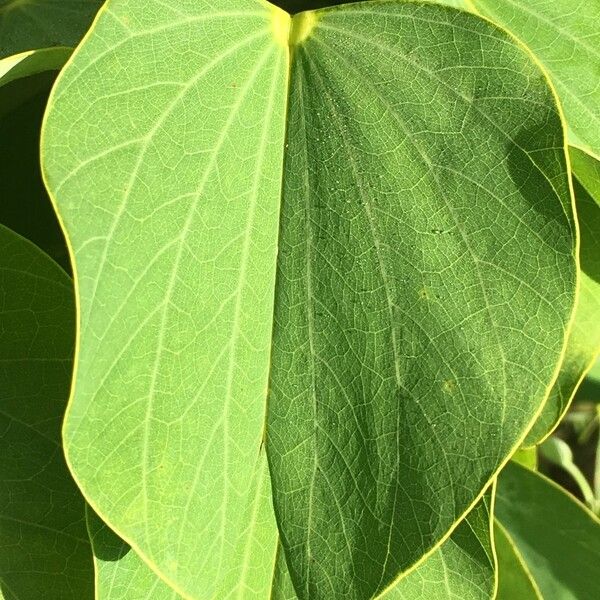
558	538
44	549
584	338
565	36
514	579
34	24
163	148
426	276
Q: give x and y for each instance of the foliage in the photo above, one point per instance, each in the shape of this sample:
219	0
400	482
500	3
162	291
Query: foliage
330	272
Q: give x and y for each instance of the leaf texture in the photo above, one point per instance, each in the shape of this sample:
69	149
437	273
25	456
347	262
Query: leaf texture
178	182
425	218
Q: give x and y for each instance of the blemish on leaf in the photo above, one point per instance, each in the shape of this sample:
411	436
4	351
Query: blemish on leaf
449	386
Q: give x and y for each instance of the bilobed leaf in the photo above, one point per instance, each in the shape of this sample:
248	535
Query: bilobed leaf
557	537
514	579
425	281
584	339
565	36
44	549
120	572
33	24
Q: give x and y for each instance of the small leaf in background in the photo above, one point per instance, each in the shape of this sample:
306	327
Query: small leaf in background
559	453
120	572
557	536
32	62
515	582
44	547
584	338
565	36
32	24
26	207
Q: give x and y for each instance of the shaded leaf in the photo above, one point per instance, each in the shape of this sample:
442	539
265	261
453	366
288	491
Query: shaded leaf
44	549
584	339
425	206
33	24
434	292
558	538
565	36
514	579
25	206
32	63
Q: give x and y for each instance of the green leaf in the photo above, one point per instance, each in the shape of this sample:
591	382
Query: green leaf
564	35
44	549
120	573
33	24
25	207
584	339
526	457
558	538
425	280
32	62
559	453
463	568
410	344
514	579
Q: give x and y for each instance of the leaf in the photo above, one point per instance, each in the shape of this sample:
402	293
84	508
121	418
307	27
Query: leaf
32	63
419	302
463	568
584	339
165	433
558	538
410	344
33	24
514	579
120	573
558	452
25	206
564	35
44	550
526	457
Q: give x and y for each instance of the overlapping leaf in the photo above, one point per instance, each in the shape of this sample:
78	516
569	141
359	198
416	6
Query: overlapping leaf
584	339
425	281
514	579
44	548
557	537
565	36
425	216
